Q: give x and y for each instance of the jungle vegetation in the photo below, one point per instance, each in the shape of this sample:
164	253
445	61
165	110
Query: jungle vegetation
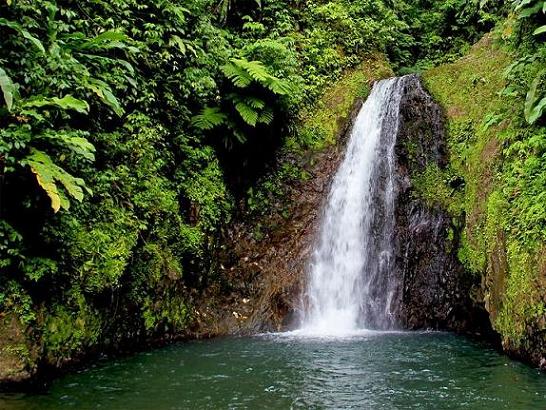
133	132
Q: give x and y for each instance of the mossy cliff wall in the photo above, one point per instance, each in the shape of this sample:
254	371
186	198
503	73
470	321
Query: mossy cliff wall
493	187
435	289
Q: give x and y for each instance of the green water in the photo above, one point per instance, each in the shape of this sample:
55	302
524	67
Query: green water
370	371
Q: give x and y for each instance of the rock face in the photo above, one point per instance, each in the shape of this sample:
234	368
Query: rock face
435	289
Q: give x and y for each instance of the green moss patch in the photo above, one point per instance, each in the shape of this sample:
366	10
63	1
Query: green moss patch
491	149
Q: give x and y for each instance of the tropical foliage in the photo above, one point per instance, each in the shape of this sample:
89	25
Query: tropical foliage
131	132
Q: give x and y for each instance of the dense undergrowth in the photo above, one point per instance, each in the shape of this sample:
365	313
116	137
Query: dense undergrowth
132	132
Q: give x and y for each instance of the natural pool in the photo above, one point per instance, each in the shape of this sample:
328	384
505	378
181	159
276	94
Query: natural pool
370	370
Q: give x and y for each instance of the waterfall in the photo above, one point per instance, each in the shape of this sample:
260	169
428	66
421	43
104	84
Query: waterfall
350	281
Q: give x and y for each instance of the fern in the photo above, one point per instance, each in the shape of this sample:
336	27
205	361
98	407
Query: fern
266	116
238	75
255	102
278	86
256	69
209	118
247	113
242	72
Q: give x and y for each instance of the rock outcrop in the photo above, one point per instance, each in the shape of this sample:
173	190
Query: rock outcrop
436	289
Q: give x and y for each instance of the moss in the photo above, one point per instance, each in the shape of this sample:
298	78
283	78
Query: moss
504	226
432	185
16	357
321	126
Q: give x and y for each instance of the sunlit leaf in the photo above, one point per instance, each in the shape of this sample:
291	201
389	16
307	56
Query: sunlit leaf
8	88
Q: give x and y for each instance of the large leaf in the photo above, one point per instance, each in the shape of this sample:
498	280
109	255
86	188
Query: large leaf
49	175
8	88
106	40
68	102
530	11
75	143
104	92
533	107
537	111
540	30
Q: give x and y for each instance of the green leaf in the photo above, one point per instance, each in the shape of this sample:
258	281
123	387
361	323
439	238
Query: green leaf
104	92
522	3
255	102
533	111
68	102
239	77
537	111
8	88
178	42
48	175
78	145
209	118
106	40
528	12
256	69
111	100
540	30
266	116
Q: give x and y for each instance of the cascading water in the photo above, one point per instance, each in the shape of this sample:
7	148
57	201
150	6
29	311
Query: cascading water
350	284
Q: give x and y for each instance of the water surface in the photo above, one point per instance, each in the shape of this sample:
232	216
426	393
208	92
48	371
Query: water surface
366	371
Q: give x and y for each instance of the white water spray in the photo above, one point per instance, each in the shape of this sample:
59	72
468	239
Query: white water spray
349	285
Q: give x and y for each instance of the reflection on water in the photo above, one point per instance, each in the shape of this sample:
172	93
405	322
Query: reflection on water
369	370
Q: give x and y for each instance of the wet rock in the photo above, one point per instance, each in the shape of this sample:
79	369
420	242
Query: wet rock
436	289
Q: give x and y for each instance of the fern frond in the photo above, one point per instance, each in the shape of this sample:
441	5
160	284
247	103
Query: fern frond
256	69
278	86
238	76
209	118
254	102
266	116
247	113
